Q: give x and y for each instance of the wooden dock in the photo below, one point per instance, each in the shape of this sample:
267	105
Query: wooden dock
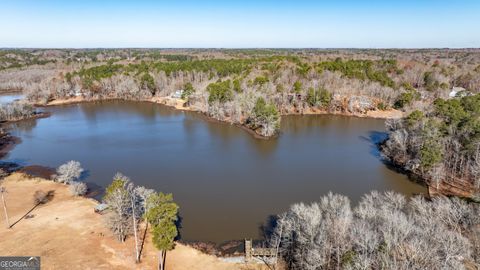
251	252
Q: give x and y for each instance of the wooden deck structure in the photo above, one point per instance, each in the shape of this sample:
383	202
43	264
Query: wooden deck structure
251	252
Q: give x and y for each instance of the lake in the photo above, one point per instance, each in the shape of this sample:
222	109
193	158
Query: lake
226	182
7	98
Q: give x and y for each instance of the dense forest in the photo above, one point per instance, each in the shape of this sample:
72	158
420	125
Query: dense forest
247	87
384	231
440	144
437	140
436	91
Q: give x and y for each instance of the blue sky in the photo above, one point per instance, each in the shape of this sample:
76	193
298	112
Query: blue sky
240	24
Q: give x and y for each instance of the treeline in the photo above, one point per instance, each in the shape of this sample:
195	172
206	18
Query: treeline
227	84
10	59
375	71
440	145
227	90
384	231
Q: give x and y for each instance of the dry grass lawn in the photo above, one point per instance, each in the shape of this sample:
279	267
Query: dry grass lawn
67	234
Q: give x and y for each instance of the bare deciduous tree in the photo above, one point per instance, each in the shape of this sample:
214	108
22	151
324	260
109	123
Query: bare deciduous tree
69	172
78	188
118	200
385	231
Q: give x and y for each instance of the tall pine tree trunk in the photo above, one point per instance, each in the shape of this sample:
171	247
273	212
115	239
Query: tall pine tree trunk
161	258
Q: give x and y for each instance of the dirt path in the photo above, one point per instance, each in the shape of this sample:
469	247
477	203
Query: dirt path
67	234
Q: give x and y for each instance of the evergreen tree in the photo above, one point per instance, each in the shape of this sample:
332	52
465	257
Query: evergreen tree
187	90
162	214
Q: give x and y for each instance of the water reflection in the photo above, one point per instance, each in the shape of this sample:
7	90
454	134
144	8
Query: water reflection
24	127
375	138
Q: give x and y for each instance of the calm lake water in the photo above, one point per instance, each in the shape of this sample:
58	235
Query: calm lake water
226	182
7	98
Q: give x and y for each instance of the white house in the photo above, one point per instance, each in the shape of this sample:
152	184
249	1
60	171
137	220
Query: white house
75	93
177	94
456	91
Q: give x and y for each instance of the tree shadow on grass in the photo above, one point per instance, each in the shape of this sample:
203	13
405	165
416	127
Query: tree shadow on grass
47	198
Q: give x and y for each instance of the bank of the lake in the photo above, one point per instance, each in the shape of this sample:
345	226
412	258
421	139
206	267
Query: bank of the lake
66	233
183	105
226	182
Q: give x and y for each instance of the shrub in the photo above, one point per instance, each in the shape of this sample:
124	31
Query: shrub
237	86
260	80
382	106
325	97
414	117
187	90
280	88
78	188
405	99
319	97
297	87
69	172
408	86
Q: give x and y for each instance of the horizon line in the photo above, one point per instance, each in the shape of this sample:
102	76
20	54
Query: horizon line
250	48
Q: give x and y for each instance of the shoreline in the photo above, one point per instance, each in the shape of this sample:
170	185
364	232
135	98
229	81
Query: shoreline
376	114
224	249
211	247
179	104
74	235
37	115
7	143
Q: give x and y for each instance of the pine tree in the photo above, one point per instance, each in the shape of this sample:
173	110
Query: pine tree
162	215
